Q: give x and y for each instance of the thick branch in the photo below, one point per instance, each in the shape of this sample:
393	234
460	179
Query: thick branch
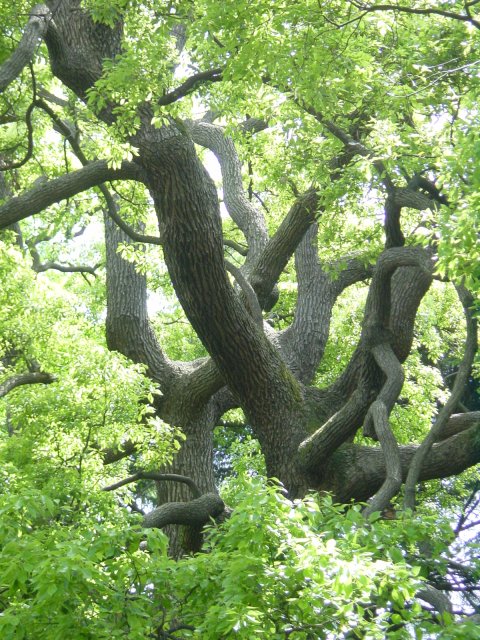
25	378
393	479
345	418
45	194
113	454
34	32
356	473
459	422
248	292
282	245
127	324
195	513
393	372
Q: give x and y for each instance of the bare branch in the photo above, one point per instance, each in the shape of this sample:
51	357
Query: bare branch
236	246
393	477
459	422
356	472
248	293
66	268
283	243
195	513
20	379
248	218
378	414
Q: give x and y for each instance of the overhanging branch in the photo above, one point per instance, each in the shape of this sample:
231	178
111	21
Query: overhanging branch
430	11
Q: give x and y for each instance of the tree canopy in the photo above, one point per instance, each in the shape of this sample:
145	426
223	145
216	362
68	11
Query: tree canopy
239	264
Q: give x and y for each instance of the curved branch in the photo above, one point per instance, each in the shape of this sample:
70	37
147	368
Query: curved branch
70	135
248	292
248	218
236	246
47	193
190	84
34	32
195	513
4	166
393	479
158	477
282	245
444	415
128	327
459	422
378	418
359	383
20	379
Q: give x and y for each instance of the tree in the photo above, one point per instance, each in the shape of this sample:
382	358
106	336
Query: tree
358	126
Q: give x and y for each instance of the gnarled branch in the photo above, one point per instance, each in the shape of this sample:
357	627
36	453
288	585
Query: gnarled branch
446	411
195	513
